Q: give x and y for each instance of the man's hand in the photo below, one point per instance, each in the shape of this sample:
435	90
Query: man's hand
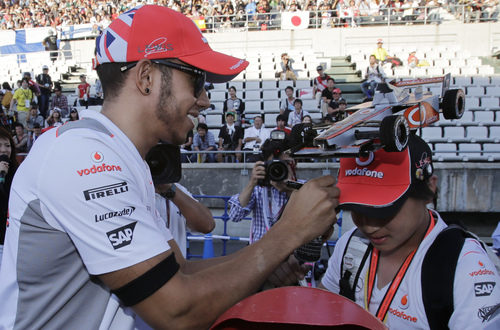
258	173
289	272
310	212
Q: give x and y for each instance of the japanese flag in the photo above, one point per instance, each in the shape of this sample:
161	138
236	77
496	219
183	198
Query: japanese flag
295	20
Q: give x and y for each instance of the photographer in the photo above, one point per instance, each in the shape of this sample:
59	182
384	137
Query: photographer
287	71
266	202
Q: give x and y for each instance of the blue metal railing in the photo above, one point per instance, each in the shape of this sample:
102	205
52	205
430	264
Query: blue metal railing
225	237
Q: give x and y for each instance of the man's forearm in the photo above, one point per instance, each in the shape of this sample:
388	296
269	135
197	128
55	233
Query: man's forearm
198	216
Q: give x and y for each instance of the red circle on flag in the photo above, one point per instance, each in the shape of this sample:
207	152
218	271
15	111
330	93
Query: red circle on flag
296	20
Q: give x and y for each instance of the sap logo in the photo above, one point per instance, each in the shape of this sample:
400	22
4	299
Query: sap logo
122	236
104	191
484	288
127	211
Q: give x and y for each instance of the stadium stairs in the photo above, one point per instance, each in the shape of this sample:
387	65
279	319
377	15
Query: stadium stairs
347	78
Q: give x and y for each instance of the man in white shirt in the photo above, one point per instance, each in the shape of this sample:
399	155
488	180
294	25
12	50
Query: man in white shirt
297	116
254	138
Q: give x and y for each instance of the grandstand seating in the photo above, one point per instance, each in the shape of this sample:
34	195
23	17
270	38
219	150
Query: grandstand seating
474	136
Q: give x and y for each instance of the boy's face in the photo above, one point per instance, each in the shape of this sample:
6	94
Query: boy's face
403	231
201	132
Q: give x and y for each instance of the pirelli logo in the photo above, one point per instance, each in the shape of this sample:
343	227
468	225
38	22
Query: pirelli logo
105	191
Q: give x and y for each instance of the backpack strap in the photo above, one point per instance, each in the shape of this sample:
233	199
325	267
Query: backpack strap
438	275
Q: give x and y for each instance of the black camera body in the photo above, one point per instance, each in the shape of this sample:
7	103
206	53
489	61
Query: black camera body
276	170
164	161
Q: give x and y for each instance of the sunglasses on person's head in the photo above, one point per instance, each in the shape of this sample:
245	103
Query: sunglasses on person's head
200	76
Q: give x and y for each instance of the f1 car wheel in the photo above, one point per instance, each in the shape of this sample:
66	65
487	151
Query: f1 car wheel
394	133
453	104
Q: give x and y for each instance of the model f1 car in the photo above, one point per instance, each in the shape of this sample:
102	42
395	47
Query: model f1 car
386	122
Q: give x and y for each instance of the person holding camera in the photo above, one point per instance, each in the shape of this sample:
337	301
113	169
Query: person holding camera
287	71
70	270
264	197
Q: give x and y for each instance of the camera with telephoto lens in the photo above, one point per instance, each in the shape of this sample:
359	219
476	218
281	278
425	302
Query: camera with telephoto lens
164	161
276	169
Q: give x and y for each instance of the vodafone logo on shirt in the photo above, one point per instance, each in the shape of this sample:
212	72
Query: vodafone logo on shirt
482	271
98	157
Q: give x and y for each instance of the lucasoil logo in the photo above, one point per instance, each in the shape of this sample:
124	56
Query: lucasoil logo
122	236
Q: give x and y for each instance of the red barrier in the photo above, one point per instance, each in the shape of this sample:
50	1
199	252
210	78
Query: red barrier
296	308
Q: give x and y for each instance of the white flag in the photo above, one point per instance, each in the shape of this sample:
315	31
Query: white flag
295	20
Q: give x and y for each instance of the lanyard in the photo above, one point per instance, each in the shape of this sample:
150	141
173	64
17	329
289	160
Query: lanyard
393	288
271	215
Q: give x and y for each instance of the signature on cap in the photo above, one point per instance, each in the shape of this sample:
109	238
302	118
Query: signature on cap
234	67
158	45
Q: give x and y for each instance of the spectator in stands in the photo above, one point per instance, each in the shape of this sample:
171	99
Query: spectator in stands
55	119
34	118
22	98
204	141
35	134
337	95
307	119
9	168
181	212
412	59
20	138
328	119
380	53
73	115
281	125
327	95
187	146
32	84
59	101
286	106
98	98
83	91
320	82
297	116
235	105
50	44
374	74
287	71
7	95
230	138
254	138
266	202
44	81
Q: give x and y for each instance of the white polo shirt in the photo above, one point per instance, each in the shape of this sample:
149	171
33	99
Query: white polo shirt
82	204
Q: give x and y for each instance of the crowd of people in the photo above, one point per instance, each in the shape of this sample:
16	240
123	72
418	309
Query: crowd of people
239	13
34	106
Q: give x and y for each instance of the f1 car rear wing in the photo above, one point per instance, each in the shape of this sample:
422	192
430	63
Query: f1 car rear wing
445	80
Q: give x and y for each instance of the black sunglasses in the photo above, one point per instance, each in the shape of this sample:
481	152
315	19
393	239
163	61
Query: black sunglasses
199	75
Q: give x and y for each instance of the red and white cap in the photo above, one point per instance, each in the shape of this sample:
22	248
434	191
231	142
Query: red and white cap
156	32
378	185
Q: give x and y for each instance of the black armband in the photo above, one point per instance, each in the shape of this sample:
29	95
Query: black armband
148	283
